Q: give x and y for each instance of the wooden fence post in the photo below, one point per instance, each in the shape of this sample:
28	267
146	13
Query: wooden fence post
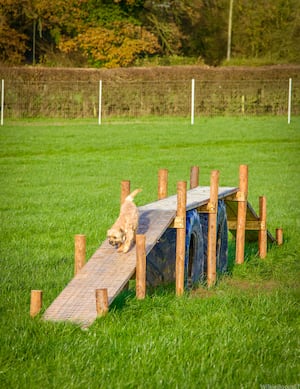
101	301
80	252
262	233
36	298
279	236
242	212
194	177
212	208
125	190
140	266
162	183
180	225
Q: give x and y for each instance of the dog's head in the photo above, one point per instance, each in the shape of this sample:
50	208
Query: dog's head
116	237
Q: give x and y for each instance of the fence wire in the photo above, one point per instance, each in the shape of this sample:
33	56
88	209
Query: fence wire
64	99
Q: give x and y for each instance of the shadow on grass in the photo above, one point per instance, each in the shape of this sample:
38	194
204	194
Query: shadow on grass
128	295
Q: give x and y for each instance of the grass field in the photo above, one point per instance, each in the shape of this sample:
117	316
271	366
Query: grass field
63	178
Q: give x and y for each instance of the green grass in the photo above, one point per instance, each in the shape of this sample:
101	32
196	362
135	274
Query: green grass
63	178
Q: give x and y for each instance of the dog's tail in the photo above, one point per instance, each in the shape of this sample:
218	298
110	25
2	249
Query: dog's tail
132	195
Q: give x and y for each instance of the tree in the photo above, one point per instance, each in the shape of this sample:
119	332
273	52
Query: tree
117	46
173	22
118	32
211	32
14	41
22	18
270	30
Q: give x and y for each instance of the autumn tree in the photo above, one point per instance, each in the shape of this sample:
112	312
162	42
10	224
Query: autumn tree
113	36
30	28
13	39
119	45
119	32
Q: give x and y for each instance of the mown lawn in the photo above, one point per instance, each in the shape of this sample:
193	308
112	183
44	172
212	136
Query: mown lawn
63	178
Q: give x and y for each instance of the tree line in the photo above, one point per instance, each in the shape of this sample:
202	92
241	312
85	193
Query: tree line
116	33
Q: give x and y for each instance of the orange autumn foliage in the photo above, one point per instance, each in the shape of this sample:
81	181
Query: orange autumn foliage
117	46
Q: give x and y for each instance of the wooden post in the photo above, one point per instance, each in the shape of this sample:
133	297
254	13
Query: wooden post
80	251
212	208
125	190
194	177
140	266
262	233
162	183
180	225
242	213
101	301
243	104
35	302
279	236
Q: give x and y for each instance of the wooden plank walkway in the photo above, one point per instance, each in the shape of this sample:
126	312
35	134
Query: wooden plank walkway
112	270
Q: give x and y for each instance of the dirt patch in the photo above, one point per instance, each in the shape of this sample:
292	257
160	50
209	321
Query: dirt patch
202	293
255	286
250	287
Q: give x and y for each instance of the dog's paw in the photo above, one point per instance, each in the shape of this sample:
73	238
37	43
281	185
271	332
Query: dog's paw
127	246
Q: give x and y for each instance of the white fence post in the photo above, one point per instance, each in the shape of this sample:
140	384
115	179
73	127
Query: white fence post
193	102
100	103
290	101
2	101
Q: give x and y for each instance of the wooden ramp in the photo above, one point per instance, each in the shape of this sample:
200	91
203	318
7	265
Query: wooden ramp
112	270
252	222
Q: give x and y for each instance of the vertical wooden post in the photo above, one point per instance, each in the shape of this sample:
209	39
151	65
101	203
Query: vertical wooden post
290	101
180	225
140	266
80	251
100	103
212	229
194	177
2	103
101	301
35	302
162	183
262	233
279	236
242	212
243	104
125	190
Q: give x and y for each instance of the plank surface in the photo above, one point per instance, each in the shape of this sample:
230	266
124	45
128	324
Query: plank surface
112	270
251	216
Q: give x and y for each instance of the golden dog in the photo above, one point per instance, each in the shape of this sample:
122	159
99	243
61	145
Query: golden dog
122	233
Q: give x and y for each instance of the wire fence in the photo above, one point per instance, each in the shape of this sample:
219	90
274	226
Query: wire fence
107	99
